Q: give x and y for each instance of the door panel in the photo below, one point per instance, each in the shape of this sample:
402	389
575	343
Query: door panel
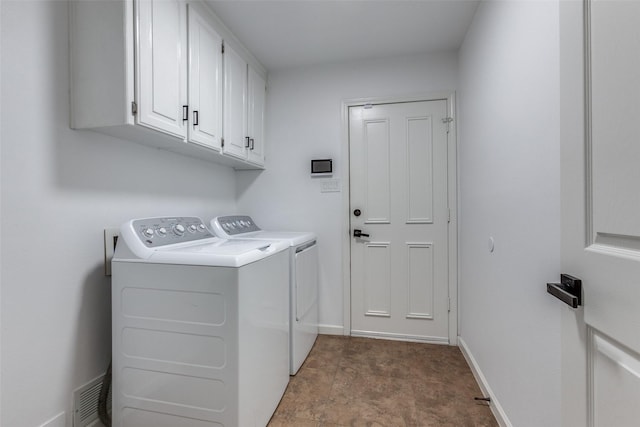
420	294
419	170
377	184
399	274
162	71
257	103
616	383
205	82
377	276
235	104
612	258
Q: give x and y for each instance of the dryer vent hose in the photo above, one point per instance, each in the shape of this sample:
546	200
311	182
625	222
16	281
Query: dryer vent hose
103	414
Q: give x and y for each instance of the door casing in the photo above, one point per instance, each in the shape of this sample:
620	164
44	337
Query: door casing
452	195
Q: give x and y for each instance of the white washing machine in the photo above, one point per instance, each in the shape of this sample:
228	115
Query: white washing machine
303	278
200	326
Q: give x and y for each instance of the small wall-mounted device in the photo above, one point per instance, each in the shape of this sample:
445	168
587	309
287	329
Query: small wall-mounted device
321	167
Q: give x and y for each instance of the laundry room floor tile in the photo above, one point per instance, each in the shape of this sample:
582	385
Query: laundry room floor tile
352	381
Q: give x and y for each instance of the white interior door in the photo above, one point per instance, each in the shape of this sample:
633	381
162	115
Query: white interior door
602	177
162	65
398	185
205	81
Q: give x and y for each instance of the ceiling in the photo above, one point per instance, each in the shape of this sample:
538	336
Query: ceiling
295	33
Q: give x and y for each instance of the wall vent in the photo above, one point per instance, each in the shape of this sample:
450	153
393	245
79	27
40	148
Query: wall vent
85	403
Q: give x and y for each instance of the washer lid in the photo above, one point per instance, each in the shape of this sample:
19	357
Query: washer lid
293	238
213	252
218	252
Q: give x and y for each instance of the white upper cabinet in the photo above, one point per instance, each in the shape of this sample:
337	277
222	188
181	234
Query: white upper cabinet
162	71
244	105
205	82
152	71
236	140
257	99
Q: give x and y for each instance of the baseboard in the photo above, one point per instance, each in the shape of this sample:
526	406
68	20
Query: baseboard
399	337
331	330
496	409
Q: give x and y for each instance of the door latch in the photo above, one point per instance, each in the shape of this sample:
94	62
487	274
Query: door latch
359	233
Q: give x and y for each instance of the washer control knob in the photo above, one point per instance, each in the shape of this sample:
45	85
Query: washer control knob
161	231
201	228
192	228
148	232
178	229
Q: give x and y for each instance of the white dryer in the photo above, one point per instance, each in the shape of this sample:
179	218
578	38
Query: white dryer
200	326
303	278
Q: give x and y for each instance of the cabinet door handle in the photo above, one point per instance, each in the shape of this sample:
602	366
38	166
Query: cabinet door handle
248	142
251	141
185	113
195	117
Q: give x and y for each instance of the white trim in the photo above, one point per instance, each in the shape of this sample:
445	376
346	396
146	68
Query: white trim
495	406
331	330
400	337
57	421
452	191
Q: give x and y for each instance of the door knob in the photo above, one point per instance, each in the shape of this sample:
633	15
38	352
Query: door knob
357	212
359	233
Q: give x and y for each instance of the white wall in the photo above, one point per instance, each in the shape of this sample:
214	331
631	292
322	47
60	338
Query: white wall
510	189
304	122
60	189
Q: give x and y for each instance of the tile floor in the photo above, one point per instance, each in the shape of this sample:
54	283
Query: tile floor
348	381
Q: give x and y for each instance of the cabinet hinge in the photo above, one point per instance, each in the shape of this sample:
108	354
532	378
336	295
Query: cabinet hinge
134	108
222	142
449	215
449	304
223	47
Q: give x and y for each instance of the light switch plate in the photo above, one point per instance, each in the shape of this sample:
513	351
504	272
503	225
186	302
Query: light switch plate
330	186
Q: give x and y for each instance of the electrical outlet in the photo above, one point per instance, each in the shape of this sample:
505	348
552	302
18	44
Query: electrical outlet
110	240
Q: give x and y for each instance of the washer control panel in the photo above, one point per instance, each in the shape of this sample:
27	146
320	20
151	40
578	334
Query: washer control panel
154	232
237	224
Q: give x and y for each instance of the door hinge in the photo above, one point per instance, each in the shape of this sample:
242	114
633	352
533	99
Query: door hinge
223	47
448	215
447	121
134	108
449	304
222	142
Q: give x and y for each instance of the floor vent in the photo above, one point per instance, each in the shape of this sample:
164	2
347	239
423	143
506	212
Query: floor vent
85	403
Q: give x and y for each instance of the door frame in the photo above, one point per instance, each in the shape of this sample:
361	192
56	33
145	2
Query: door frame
452	196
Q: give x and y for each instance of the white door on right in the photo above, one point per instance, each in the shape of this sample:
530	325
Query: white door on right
606	256
398	197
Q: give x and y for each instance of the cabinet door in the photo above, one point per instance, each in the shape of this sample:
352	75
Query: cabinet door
205	82
235	104
161	77
257	88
